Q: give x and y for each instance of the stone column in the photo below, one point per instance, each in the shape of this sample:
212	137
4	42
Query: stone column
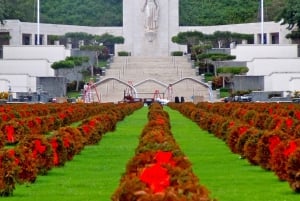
269	38
45	39
32	39
256	39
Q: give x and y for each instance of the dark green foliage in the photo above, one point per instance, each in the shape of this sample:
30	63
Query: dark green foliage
69	62
77	12
63	64
233	70
177	53
215	57
208	12
123	53
217	39
293	35
290	14
109	12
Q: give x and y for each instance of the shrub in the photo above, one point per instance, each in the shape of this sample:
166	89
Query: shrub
177	53
123	53
235	70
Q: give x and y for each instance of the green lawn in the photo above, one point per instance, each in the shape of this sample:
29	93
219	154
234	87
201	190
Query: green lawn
94	174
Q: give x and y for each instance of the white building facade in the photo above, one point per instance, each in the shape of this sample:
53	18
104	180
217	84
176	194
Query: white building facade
277	59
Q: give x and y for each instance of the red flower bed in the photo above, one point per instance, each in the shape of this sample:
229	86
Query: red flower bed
266	134
159	170
35	153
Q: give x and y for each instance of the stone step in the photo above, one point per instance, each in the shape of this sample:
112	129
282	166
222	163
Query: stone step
150	75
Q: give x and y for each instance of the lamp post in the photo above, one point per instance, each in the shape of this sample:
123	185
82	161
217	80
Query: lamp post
262	20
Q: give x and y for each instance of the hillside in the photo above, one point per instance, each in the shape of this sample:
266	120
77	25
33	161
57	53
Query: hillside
109	12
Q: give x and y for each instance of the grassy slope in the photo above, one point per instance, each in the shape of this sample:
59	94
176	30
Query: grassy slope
94	174
228	177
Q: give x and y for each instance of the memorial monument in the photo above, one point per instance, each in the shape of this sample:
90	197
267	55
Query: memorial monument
148	27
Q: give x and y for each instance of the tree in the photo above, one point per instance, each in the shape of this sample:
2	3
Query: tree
109	12
70	62
290	14
218	39
214	59
188	38
3	11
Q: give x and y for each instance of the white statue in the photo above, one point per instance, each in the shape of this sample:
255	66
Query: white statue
151	10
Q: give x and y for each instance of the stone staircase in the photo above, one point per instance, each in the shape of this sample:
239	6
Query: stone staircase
151	78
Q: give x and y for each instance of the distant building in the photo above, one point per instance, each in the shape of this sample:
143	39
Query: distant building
22	63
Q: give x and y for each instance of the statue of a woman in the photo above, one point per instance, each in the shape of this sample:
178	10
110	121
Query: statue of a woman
151	10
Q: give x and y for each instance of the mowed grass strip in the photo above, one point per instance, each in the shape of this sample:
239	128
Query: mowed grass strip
94	174
228	177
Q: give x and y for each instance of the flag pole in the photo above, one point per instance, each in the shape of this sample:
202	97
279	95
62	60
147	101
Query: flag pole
262	20
38	23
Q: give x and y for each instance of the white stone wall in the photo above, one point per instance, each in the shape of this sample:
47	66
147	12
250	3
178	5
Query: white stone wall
248	52
278	72
294	83
51	53
267	66
17	28
32	67
18	83
282	82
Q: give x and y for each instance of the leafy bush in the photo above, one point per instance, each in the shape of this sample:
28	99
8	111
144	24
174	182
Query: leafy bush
233	70
216	56
69	62
123	53
177	53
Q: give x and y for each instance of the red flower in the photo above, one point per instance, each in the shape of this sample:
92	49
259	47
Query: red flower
242	130
273	142
156	177
66	142
62	115
10	132
38	148
55	158
160	121
86	128
5	117
92	123
54	144
231	124
278	123
12	154
290	149
297	113
38	120
289	123
163	157
30	124
270	111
